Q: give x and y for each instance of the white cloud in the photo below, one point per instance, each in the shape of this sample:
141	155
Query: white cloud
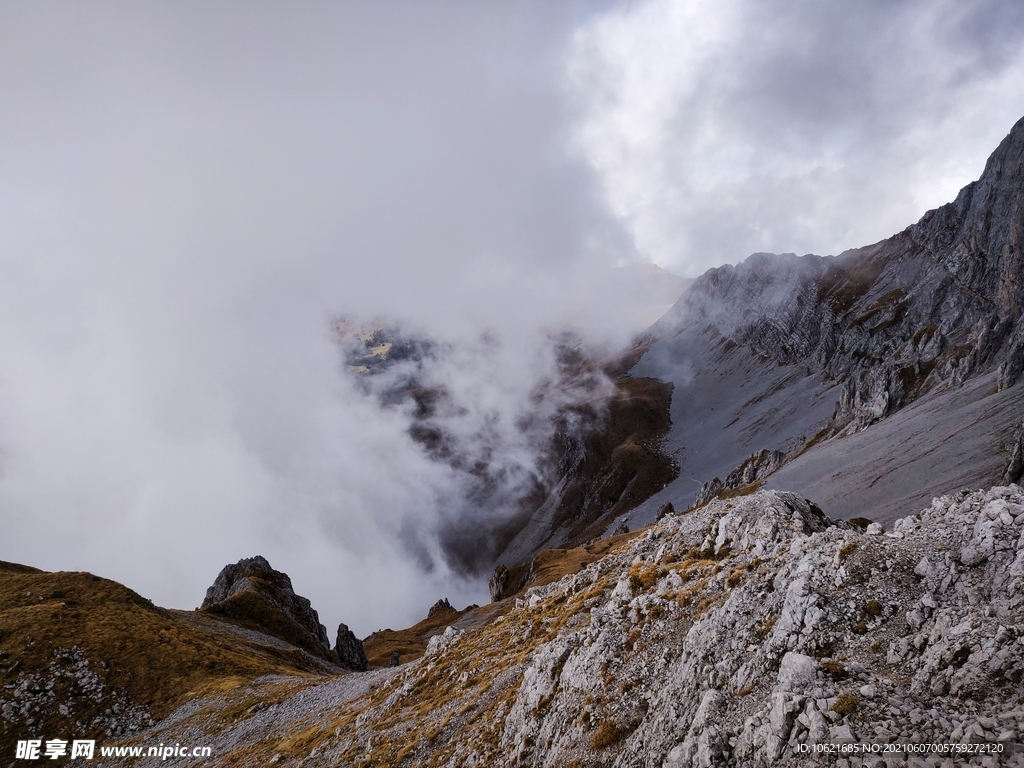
720	129
188	194
190	191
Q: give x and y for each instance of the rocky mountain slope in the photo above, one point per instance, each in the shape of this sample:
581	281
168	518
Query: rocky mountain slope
737	634
812	356
600	446
727	622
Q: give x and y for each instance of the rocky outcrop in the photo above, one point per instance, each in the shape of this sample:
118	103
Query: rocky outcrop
665	509
755	468
742	633
441	607
498	584
349	650
254	594
1015	463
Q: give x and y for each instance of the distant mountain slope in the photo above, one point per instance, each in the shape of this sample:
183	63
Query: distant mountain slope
806	354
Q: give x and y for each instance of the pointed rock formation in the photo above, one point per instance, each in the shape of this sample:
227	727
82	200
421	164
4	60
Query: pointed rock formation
255	595
441	606
349	650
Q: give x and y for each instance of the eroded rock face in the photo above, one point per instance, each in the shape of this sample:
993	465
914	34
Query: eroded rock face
756	467
498	583
252	592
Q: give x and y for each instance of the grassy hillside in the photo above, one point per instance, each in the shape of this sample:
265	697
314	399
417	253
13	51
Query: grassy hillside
83	657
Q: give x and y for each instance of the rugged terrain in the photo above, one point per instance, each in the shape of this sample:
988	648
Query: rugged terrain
729	635
81	652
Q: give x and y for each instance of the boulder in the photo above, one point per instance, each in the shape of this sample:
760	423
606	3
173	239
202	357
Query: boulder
797	672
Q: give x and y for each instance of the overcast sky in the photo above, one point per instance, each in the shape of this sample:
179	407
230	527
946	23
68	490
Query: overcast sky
189	191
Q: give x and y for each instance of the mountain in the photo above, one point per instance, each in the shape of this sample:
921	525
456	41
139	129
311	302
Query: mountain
87	656
785	464
600	446
876	378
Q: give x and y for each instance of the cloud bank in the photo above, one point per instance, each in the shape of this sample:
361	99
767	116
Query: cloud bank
720	129
191	193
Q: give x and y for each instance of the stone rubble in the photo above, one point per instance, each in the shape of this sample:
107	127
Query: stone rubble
70	686
738	634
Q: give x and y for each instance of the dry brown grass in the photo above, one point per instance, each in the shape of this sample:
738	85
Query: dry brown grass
551	565
735	577
157	658
643	576
606	734
741	490
846	704
835	669
424	727
410	643
872	608
846	549
762	630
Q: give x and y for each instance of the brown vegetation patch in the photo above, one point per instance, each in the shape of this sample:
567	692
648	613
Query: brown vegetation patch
835	669
740	490
606	734
846	704
551	565
410	643
846	549
156	658
642	576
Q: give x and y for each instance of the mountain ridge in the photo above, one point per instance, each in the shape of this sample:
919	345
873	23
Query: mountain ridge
870	332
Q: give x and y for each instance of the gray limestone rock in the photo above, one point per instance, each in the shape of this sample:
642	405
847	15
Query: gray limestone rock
756	467
498	583
1015	463
797	672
